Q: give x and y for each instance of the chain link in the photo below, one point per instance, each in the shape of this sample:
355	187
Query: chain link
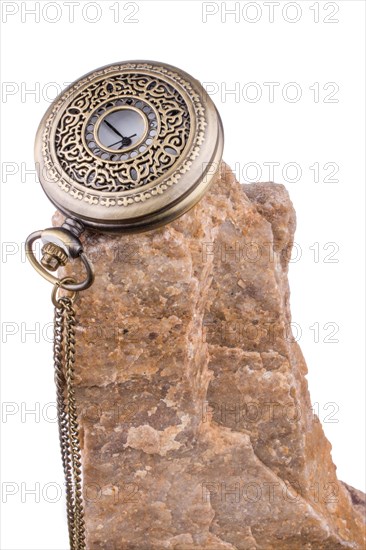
64	359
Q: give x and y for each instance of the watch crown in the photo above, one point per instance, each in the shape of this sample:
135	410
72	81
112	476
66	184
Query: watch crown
53	256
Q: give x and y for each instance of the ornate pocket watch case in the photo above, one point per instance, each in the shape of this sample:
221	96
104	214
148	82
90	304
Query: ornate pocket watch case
129	147
126	148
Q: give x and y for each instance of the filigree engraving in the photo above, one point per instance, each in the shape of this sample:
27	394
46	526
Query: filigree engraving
172	142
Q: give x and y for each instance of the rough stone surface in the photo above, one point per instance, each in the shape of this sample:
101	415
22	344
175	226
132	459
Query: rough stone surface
197	427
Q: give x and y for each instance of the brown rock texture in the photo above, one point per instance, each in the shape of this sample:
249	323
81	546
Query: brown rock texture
196	422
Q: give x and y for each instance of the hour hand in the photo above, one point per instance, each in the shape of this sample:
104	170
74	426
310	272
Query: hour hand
113	128
124	141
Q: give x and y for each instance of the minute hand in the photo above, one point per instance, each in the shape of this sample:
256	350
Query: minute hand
113	128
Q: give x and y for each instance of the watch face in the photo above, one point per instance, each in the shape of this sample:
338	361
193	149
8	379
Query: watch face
138	130
129	147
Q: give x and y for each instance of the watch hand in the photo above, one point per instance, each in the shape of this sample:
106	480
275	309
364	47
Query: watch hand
127	141
113	128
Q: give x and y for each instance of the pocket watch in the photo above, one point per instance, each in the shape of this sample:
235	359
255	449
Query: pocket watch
128	147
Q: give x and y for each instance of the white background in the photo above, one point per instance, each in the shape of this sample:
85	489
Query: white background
323	54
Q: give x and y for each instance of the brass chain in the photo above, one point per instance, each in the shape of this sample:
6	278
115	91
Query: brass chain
64	359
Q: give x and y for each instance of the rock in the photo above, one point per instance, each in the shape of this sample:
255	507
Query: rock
358	499
196	422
